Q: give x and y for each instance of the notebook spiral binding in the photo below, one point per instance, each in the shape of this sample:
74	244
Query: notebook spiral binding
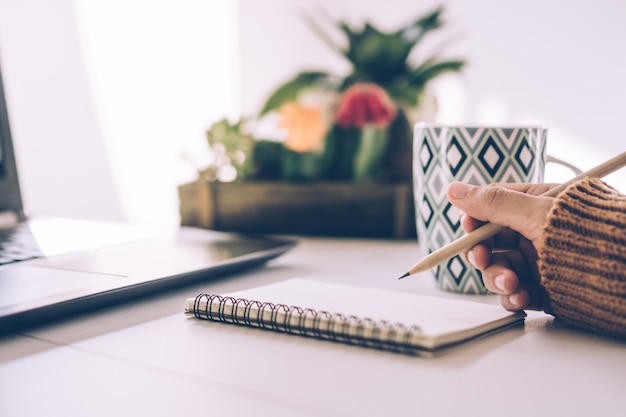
320	324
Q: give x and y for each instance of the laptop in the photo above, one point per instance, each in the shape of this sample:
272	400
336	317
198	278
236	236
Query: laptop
54	267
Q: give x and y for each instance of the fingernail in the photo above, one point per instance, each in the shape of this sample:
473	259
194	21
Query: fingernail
514	300
458	189
471	257
499	282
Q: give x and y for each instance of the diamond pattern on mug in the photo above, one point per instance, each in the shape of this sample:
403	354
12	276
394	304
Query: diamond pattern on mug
426	212
470	287
525	156
471	136
426	156
444	284
491	156
457	269
455	155
436	184
511	175
439	234
474	176
507	136
452	216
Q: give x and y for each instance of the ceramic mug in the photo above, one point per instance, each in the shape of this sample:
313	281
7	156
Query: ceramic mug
477	155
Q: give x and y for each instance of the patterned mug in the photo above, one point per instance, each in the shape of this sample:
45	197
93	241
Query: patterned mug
477	155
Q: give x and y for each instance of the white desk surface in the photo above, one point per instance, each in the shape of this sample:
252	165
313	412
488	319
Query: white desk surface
146	358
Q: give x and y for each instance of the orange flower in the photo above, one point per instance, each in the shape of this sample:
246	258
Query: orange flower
365	104
305	127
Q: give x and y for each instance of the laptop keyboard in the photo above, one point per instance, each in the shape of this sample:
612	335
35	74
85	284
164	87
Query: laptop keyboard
18	244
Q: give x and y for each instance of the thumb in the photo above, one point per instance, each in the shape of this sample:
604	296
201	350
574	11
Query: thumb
521	212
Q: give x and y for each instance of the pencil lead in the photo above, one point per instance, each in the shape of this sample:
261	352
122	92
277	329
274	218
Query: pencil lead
404	276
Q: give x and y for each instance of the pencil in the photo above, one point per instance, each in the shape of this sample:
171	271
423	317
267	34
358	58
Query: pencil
486	231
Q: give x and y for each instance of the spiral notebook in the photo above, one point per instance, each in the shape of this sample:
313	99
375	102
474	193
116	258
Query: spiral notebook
376	318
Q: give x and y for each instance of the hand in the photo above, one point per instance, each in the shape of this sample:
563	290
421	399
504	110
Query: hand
508	261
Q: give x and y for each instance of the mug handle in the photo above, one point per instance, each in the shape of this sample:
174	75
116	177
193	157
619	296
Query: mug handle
577	171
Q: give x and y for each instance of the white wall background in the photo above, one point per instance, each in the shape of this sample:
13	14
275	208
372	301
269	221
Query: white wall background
105	95
62	160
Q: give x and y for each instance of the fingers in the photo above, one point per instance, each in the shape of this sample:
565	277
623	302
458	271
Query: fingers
504	281
479	256
502	276
516	301
508	263
469	223
519	211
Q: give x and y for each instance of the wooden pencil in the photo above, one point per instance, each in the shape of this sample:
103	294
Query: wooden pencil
486	231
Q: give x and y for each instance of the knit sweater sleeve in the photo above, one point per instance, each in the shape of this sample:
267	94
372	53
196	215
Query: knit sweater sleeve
582	258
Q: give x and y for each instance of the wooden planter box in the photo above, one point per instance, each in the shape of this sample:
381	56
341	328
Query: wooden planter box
323	209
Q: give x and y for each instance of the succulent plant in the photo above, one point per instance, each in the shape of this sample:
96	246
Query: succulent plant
352	127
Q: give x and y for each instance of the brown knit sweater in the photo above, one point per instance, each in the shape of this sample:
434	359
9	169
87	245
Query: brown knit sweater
582	261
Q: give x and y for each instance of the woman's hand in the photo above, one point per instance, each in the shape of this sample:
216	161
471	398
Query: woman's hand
508	261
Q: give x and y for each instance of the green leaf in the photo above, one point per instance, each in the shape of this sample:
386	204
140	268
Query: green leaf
414	33
431	69
405	93
227	133
290	90
235	141
353	40
380	57
431	21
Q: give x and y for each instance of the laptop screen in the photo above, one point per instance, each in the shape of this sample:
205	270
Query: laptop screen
2	123
1	157
10	197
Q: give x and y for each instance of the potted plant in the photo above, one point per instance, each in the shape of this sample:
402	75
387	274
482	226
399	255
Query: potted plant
339	133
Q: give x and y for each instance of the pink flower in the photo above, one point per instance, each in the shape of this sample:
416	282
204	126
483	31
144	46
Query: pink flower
365	104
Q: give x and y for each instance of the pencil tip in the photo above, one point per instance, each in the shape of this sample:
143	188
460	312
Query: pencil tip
405	275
